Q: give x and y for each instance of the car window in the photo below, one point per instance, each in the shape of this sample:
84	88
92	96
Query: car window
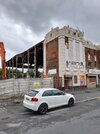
47	93
32	93
58	92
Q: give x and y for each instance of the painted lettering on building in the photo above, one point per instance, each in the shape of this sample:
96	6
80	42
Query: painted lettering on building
73	64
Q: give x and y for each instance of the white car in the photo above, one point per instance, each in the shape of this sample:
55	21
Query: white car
46	98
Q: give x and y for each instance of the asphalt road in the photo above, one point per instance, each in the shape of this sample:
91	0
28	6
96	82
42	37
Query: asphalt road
83	118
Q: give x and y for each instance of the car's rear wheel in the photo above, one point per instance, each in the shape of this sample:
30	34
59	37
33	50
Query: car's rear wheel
43	108
71	102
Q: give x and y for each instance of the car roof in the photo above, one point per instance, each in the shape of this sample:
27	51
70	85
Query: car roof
44	89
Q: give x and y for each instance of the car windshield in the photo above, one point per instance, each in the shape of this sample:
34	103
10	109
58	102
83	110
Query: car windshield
32	93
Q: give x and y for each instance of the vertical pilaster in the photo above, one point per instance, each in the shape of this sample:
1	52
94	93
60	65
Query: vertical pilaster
44	57
16	65
28	56
35	62
22	66
12	67
9	70
62	57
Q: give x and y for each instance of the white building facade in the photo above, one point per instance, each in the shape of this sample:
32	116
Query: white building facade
70	56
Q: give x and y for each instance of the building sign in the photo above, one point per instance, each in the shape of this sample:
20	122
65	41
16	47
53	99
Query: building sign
73	64
52	71
82	80
93	71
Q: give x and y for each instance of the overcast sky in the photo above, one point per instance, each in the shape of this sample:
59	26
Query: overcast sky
25	22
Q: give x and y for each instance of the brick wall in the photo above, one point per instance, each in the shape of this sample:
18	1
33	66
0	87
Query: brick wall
90	55
98	58
52	55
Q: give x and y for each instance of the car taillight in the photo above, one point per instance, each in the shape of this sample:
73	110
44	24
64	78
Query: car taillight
34	99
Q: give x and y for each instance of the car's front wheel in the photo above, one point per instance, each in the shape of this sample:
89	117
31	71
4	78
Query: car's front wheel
71	102
43	108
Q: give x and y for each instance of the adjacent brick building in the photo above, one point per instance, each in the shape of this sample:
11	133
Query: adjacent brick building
92	58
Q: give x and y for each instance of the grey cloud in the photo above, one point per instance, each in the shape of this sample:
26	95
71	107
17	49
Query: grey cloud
16	38
38	15
35	14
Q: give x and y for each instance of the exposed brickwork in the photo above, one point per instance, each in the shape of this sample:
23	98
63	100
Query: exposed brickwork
80	50
52	55
98	58
91	62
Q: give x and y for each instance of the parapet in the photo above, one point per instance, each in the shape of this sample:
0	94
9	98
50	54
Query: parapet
65	31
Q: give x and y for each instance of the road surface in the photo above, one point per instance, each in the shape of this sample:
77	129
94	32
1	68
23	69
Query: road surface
83	118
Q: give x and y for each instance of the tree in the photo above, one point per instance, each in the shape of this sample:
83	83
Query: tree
18	74
31	73
14	73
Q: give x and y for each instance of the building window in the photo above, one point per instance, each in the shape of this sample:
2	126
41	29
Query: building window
66	39
89	64
66	42
89	57
75	79
95	58
74	33
95	64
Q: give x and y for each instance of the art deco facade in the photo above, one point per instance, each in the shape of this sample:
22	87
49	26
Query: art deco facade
70	58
